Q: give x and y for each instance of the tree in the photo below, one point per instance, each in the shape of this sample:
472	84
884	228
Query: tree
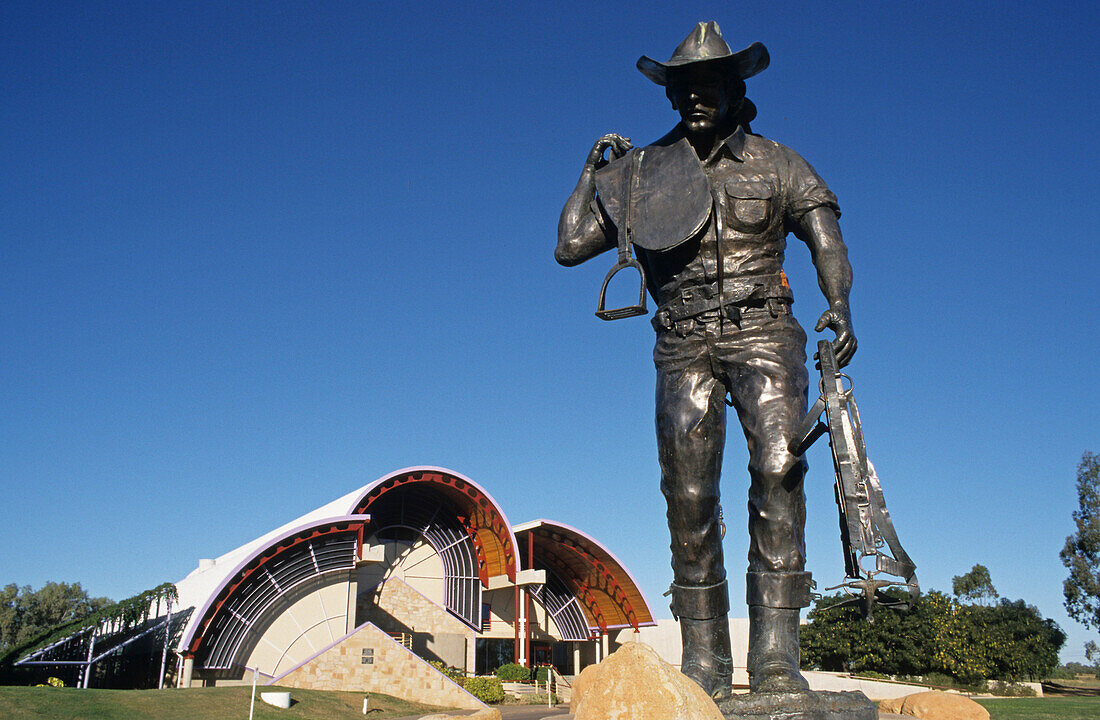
1092	653
1081	555
932	635
1019	642
971	643
974	586
26	613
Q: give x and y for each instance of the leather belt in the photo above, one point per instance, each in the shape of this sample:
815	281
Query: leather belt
737	294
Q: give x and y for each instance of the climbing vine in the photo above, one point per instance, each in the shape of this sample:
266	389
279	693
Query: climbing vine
127	613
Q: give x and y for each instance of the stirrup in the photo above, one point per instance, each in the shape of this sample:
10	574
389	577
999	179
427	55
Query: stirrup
628	310
625	259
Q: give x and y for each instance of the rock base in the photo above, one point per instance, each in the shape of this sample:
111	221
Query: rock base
799	706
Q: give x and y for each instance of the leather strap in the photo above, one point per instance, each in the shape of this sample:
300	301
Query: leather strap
700	602
779	589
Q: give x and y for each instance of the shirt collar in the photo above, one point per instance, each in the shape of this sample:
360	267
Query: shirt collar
735	144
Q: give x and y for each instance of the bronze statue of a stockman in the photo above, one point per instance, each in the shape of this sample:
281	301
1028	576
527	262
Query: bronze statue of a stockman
707	209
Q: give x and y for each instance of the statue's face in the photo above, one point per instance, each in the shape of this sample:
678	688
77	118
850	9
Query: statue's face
702	98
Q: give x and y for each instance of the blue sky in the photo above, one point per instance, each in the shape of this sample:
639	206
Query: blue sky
253	256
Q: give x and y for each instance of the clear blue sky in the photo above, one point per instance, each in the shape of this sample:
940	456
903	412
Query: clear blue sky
253	256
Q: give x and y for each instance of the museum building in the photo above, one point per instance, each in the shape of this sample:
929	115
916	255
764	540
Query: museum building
421	564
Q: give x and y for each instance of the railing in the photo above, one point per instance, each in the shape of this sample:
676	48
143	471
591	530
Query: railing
402	638
488	624
562	687
556	684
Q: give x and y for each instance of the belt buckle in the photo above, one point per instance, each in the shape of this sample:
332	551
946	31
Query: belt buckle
661	320
732	312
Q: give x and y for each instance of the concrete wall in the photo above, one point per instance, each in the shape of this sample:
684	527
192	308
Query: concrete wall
297	632
414	563
664	637
393	670
841	682
309	618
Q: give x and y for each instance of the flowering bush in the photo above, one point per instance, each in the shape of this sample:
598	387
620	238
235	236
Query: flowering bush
485	689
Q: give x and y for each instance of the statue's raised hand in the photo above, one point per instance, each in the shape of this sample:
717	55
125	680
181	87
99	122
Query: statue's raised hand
618	144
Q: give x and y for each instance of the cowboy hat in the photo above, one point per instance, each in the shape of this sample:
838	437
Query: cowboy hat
705	45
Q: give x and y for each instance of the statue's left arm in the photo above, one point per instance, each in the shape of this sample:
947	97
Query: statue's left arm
819	229
580	234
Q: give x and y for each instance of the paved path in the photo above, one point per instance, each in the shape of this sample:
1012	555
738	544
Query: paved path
515	712
531	712
561	712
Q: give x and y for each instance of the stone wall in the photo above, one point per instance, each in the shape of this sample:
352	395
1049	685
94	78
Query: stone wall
368	660
436	635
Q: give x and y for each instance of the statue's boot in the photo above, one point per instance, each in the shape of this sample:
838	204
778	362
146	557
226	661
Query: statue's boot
773	631
705	631
773	650
707	659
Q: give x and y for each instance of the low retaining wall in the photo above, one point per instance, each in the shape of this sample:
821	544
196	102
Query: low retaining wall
369	660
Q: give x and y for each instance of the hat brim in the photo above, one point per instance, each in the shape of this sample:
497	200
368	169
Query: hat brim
743	64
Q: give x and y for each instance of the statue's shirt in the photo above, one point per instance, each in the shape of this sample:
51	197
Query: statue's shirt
760	189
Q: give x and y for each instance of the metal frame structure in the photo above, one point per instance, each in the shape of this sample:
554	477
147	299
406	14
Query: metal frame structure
591	573
562	606
229	624
105	638
491	533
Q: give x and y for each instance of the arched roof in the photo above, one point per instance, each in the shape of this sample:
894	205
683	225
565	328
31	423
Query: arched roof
225	623
606	590
479	513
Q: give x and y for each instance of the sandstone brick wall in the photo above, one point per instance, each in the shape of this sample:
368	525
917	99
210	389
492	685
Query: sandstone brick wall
394	671
436	635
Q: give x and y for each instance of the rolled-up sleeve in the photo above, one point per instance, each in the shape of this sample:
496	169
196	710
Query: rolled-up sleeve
805	189
603	219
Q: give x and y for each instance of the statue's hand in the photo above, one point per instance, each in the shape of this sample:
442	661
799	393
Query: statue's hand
618	144
839	318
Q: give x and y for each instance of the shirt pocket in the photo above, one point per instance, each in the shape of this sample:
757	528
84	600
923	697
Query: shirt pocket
750	205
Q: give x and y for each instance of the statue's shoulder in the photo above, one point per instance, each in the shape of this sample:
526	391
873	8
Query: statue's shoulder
760	146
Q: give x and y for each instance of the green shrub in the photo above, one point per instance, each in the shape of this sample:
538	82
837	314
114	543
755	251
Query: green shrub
541	674
453	673
485	689
1010	689
872	674
939	679
513	673
936	679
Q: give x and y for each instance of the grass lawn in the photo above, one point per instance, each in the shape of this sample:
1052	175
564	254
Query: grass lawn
1048	708
25	703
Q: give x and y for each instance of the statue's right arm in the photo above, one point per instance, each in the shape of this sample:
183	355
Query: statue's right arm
580	235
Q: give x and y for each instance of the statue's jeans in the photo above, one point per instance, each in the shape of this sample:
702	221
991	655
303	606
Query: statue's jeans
762	366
